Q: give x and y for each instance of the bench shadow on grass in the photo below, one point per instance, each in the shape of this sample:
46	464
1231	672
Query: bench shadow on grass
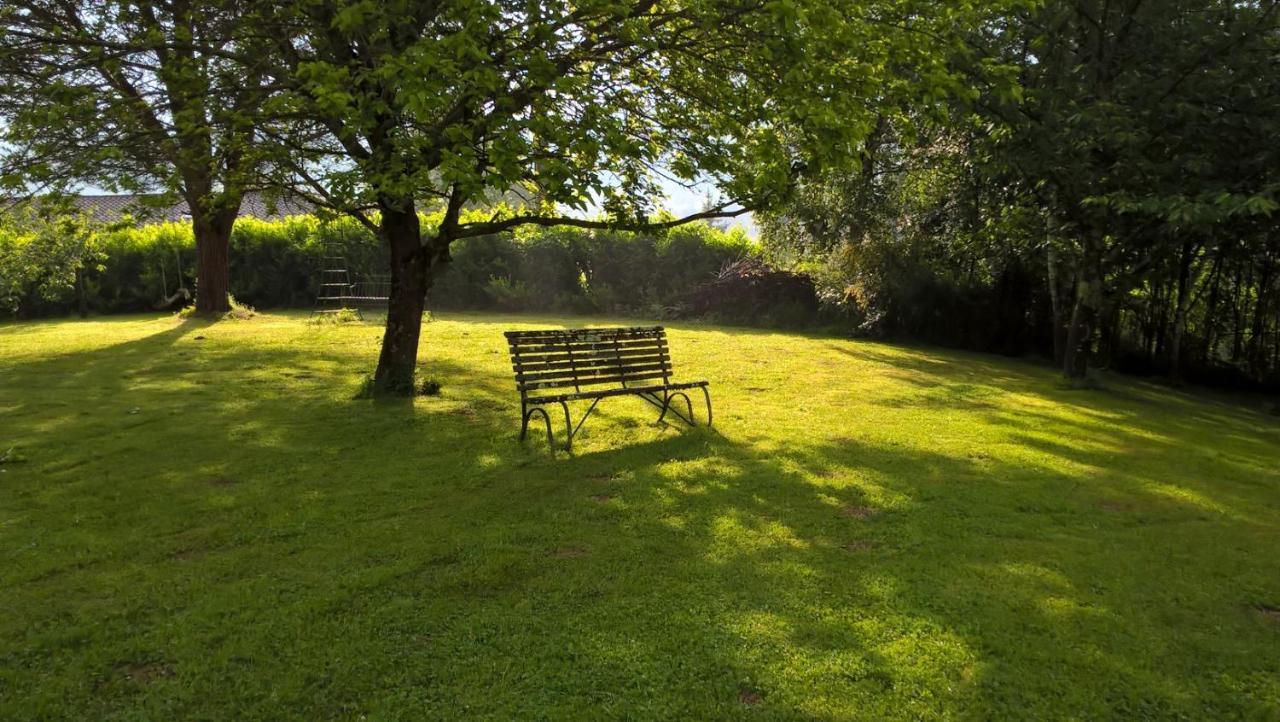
692	574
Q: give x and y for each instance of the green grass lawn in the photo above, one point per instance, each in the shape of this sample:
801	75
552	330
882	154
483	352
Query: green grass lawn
198	521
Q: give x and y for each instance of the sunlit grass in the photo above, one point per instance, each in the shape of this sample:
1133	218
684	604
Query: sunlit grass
198	521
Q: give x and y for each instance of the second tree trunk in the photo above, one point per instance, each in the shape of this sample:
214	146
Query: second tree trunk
409	282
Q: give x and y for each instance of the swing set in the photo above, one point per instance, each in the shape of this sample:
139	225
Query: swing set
180	291
338	289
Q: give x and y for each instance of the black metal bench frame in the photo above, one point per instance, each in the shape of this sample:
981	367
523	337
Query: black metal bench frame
616	361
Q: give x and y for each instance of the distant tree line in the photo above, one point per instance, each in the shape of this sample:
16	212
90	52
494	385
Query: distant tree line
1105	192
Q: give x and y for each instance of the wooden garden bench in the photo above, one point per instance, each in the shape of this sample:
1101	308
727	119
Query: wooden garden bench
559	366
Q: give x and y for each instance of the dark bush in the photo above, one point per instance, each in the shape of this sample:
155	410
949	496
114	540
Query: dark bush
749	290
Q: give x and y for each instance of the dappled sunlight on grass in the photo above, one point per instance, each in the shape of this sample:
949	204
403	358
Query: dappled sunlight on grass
735	535
869	531
1186	496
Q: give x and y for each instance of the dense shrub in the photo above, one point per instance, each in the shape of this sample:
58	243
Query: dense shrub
275	264
576	270
45	258
749	290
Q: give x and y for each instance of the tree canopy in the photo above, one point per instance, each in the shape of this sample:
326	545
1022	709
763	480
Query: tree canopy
1075	155
580	106
137	97
1131	159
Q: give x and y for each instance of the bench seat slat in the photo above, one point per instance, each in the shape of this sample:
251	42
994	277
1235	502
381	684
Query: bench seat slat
547	345
585	348
592	380
522	366
600	338
534	344
579	332
526	358
584	358
560	335
605	393
591	362
585	374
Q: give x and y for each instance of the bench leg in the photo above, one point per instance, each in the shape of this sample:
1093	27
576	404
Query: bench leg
707	395
524	425
688	405
568	427
666	406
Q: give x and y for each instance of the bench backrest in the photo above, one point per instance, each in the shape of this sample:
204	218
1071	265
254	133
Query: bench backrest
588	357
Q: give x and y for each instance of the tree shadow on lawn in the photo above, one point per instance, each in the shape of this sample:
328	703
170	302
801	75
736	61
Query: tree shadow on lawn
1222	456
904	583
206	402
276	545
967	379
172	474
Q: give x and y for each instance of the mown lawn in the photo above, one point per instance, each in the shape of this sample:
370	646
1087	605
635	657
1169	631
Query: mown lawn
198	522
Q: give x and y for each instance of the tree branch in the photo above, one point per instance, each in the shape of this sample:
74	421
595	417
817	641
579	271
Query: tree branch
468	230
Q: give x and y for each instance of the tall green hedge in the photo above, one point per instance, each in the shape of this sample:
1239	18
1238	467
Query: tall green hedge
275	264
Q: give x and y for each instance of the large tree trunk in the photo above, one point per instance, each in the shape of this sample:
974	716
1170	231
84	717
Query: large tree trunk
1075	362
1209	354
1257	355
1160	322
1237	314
1057	307
1180	313
213	241
1107	338
410	279
1088	302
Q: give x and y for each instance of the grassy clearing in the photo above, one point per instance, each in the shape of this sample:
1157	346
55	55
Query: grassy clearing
198	522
